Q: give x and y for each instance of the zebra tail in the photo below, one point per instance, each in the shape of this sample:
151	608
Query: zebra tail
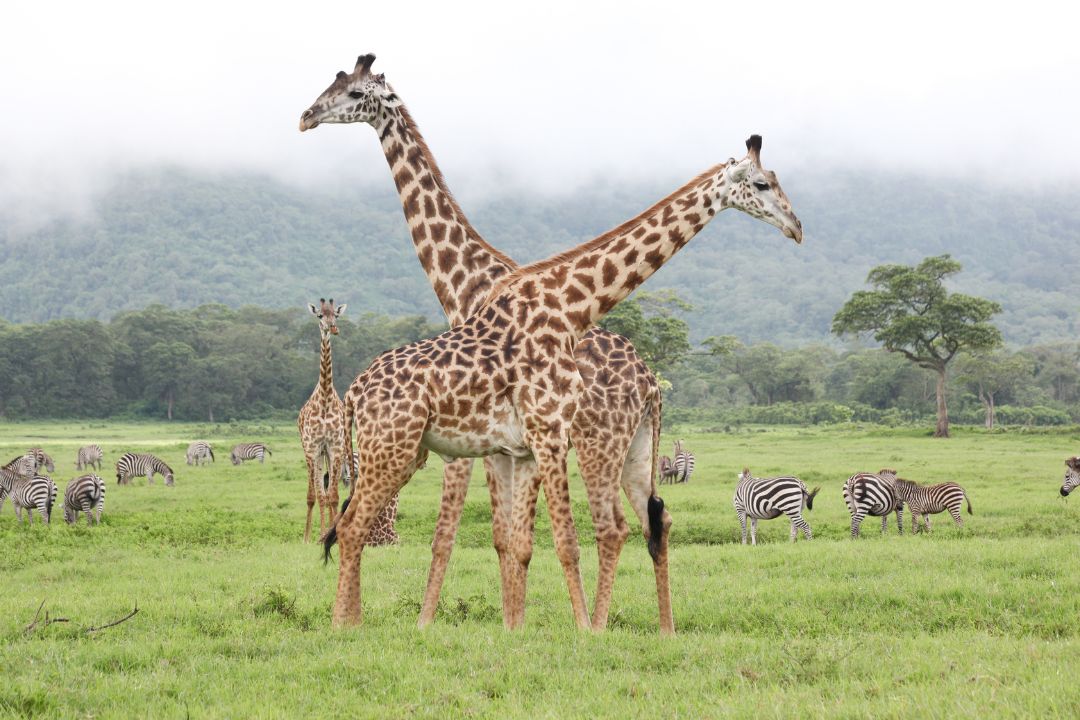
211	451
968	503
267	450
810	498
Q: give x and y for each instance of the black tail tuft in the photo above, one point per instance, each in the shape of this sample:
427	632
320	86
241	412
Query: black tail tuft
331	535
326	481
968	503
810	498
656	525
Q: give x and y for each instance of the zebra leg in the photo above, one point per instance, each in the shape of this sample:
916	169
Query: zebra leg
456	476
884	523
794	530
753	531
955	512
742	524
856	521
900	519
926	519
150	477
798	522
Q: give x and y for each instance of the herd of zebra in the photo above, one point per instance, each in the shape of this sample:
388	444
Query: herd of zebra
865	494
679	467
21	480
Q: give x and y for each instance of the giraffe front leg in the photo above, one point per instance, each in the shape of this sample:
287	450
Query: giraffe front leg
310	498
455	486
525	486
551	464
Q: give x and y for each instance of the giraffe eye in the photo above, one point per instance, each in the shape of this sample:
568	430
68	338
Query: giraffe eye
356	94
761	185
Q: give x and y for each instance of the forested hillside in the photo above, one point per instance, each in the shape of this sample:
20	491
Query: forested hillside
182	239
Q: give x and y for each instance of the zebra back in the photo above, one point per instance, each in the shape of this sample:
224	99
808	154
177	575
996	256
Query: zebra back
248	451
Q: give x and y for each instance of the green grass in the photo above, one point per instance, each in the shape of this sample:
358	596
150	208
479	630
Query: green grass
234	609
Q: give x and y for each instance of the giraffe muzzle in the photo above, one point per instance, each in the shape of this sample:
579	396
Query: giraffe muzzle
308	121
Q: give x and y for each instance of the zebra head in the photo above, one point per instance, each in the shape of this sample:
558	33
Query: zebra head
327	315
1072	476
234	458
756	191
43	459
359	96
744	475
69	514
169	478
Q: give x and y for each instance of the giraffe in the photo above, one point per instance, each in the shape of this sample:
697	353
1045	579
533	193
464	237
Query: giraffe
505	382
621	395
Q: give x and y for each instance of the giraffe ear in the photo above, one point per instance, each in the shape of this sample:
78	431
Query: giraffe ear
340	309
738	171
314	310
363	64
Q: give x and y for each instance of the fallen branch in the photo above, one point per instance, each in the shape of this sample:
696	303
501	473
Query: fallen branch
127	617
48	620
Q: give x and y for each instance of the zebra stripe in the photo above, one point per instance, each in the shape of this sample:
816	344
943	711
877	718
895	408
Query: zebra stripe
89	456
926	500
344	471
248	451
1072	476
84	494
767	498
137	464
683	461
24	465
667	470
200	450
873	495
37	492
43	459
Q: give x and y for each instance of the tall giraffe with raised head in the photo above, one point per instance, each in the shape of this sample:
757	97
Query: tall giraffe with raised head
621	396
505	382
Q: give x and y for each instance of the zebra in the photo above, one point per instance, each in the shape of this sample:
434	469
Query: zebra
37	492
1072	476
89	456
926	500
135	464
86	494
43	459
667	470
684	463
873	495
249	451
767	498
344	471
200	450
23	466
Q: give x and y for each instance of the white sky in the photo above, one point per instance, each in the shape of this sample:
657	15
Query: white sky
540	96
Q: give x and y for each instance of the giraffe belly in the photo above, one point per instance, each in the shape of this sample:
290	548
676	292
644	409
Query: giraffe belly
506	438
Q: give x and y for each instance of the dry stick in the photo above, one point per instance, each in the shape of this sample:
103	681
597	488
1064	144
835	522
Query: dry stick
48	621
115	622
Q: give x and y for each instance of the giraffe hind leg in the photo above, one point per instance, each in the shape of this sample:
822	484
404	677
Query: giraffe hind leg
455	487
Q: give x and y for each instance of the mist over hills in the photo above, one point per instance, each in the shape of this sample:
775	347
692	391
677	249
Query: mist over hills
185	238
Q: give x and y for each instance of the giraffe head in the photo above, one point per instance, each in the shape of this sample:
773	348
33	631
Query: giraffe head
327	315
1072	476
756	191
359	96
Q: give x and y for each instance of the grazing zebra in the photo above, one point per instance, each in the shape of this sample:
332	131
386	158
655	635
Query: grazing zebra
926	500
684	463
84	494
43	459
200	450
667	470
767	498
89	456
136	464
37	492
248	451
873	495
1072	476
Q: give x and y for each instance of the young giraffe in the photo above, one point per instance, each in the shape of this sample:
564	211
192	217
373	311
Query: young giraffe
505	382
620	397
322	426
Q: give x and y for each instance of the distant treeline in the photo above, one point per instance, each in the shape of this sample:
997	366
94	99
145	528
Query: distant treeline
218	364
209	363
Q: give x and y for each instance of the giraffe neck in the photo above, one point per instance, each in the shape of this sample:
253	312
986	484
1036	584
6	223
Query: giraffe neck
326	370
591	279
460	265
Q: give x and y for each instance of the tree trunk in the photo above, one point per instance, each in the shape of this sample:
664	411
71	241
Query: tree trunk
170	403
990	414
211	409
942	429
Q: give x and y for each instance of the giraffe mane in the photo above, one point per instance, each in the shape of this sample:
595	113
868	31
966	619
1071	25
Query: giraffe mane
601	240
440	181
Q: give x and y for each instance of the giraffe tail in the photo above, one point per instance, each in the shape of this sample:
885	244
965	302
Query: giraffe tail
656	503
330	539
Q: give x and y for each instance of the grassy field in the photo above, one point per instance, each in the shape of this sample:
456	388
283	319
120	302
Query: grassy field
234	609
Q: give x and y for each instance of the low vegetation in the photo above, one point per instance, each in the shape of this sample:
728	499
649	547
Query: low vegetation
234	609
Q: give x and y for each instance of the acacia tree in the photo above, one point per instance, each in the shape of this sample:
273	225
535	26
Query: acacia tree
910	312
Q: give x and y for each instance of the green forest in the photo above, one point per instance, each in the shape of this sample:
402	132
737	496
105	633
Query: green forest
183	239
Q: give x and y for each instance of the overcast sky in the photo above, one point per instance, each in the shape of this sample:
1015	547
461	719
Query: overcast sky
544	95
